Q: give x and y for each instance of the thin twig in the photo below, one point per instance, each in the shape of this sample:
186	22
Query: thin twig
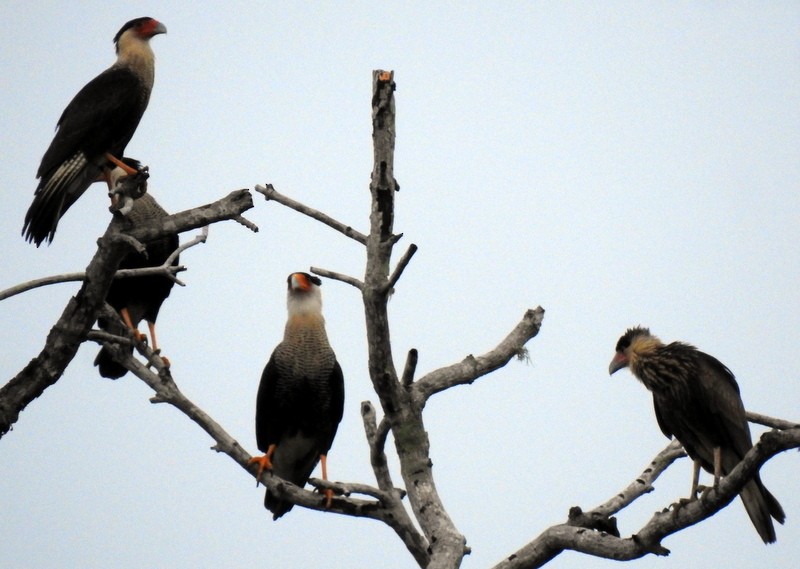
246	222
270	193
471	367
401	265
771	422
44	281
338	277
101	337
167	269
410	368
376	440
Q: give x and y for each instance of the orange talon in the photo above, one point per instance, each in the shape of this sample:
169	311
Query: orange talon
264	462
328	497
126	317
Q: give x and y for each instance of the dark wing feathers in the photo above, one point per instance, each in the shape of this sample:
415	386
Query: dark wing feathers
301	416
142	296
102	117
725	407
704	410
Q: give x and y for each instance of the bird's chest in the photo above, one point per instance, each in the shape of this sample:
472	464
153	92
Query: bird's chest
306	361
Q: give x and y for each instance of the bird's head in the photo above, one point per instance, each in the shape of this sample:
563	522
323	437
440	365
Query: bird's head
304	296
138	30
634	343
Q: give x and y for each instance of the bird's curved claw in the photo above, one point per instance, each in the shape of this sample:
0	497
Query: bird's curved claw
263	462
675	506
164	359
704	490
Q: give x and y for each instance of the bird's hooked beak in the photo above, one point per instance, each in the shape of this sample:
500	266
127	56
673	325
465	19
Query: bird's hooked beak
154	28
619	361
298	281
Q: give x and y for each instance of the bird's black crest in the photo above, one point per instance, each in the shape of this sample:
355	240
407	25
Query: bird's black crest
626	339
132	24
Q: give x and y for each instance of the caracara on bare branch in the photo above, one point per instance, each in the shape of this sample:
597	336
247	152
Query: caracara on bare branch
138	298
94	129
301	395
697	400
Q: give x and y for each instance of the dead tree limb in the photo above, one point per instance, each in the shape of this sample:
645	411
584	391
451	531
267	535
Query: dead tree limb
72	327
471	367
672	519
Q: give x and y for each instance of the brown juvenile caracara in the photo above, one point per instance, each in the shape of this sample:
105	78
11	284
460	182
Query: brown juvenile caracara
94	129
138	298
697	400
301	395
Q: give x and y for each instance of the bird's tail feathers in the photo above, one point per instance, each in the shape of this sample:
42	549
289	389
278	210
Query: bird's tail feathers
107	366
762	507
294	460
54	196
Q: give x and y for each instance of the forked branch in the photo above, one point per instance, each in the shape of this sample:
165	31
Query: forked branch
76	320
647	540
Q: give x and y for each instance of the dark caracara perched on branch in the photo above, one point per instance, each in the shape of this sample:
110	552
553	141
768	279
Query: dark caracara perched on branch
138	298
301	395
697	400
94	129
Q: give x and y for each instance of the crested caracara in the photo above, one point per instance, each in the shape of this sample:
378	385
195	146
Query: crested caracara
138	298
94	129
696	399
301	395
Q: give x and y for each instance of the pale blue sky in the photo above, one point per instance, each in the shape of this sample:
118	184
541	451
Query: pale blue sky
635	163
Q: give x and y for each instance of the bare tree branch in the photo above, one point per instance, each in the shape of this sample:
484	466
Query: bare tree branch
72	327
643	483
410	368
447	545
771	422
167	269
471	368
376	438
387	506
270	193
338	277
44	281
647	540
401	266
